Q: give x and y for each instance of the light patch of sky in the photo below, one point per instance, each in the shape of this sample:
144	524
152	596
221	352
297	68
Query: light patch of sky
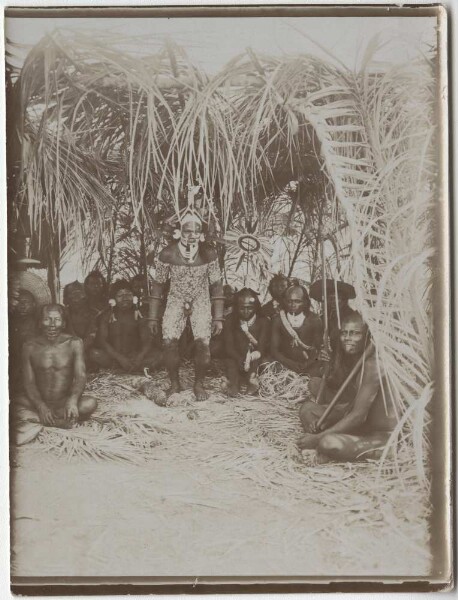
212	42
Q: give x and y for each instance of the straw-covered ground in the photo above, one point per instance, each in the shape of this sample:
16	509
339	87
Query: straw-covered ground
210	488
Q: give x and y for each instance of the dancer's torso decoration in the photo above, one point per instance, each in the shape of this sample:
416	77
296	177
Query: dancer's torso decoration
189	293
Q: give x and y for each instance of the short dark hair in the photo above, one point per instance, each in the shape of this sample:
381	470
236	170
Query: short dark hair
354	314
248	292
47	307
305	294
120	284
96	274
68	288
277	277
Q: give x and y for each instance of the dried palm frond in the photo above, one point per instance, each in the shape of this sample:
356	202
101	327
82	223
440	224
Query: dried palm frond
93	114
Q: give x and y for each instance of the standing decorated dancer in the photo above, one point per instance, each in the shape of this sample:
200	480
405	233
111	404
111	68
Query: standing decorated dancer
196	288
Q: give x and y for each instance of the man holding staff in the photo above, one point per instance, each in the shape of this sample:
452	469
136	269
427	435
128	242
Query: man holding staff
357	415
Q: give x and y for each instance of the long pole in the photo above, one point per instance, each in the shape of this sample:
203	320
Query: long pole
326	325
325	290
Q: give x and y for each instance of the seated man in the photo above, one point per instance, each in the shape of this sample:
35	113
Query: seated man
277	287
54	375
80	318
246	340
124	340
359	426
22	326
297	333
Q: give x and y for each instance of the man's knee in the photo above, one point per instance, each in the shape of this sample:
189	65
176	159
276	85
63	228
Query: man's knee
201	353
87	406
314	385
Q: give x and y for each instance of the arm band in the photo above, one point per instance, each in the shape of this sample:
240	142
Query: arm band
155	302
218	308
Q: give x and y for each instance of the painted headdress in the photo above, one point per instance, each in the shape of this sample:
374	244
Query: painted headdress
191	213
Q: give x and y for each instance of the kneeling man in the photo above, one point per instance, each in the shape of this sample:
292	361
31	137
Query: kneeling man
360	424
297	333
246	338
54	374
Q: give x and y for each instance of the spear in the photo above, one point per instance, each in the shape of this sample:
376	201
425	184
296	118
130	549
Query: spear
326	325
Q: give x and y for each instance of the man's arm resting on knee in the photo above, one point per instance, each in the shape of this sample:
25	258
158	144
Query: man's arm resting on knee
79	379
31	388
105	344
229	341
146	343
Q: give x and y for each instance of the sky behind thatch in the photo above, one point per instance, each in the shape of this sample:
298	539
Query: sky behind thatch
212	42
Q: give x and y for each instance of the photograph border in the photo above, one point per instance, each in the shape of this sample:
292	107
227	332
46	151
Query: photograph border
442	526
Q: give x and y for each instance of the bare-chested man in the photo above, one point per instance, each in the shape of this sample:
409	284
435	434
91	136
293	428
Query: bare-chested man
54	373
297	332
360	425
124	340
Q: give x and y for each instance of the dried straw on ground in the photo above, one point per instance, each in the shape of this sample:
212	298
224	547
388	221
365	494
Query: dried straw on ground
248	438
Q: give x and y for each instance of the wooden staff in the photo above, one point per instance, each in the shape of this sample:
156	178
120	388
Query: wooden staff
326	325
341	390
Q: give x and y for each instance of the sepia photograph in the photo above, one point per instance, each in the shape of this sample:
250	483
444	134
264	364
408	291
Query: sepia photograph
228	295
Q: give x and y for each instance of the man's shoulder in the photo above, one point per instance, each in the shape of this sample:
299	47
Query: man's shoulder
68	338
314	320
167	254
32	343
230	320
372	366
208	253
263	320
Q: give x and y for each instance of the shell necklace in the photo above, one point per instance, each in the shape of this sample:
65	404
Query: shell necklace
188	252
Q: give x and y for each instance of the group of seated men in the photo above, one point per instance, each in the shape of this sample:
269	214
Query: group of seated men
100	330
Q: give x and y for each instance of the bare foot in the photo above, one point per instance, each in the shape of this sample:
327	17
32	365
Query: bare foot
200	392
61	423
253	387
322	459
232	390
175	387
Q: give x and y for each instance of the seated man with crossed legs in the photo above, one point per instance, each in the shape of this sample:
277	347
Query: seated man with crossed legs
54	375
360	425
